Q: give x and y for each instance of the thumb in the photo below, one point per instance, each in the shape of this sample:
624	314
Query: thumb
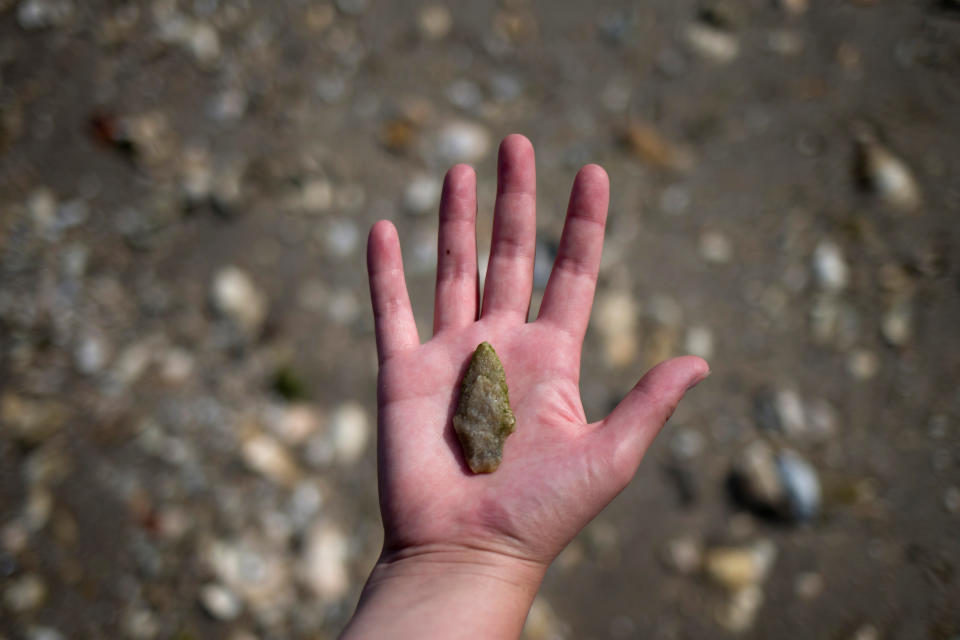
636	421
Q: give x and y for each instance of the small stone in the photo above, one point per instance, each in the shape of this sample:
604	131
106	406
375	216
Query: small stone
296	422
141	624
422	195
25	593
204	43
711	43
269	458
863	364
352	7
44	633
951	499
220	602
238	300
739	611
655	149
434	21
675	200
616	321
735	568
317	195
883	173
31	421
323	567
774	483
342	238
686	444
865	632
464	94
91	354
683	554
794	7
830	267
897	324
462	142
484	420
43	14
716	247
808	585
350	431
781	412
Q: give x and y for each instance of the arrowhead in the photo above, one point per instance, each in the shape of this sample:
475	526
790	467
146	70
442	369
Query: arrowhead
484	419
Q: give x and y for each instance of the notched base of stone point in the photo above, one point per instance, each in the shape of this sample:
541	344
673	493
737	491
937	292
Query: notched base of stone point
484	419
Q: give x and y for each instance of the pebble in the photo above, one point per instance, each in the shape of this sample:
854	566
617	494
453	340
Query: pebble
683	554
715	247
434	21
686	444
33	15
802	486
323	565
883	173
652	147
863	364
739	567
739	611
43	633
220	602
295	423
270	459
464	94
951	499
776	483
422	195
352	7
865	632
896	325
342	238
141	624
350	429
237	299
25	593
699	341
781	412
829	267
616	321
794	7
31	421
316	195
91	354
808	585
711	43
461	141
675	200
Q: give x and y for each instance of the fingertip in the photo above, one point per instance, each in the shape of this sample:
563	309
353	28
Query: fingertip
593	172
459	173
381	240
516	143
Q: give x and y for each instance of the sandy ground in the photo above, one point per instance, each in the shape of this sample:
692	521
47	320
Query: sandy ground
188	364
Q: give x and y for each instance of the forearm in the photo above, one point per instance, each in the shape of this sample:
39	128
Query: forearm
446	594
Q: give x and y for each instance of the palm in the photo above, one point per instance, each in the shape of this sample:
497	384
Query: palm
558	471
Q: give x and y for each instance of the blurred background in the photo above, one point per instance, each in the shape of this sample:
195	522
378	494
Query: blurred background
188	366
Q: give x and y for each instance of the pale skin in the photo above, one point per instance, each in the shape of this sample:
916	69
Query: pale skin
464	554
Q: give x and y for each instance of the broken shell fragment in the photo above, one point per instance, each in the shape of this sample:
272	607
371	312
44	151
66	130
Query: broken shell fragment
484	419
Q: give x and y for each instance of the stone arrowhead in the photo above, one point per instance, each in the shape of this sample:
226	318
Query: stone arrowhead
484	419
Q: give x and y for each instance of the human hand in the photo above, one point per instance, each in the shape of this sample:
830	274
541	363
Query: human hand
558	470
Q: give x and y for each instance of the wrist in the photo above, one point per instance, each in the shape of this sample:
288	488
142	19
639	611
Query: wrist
447	591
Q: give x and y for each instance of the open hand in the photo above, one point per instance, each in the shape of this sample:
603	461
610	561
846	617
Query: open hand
558	470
